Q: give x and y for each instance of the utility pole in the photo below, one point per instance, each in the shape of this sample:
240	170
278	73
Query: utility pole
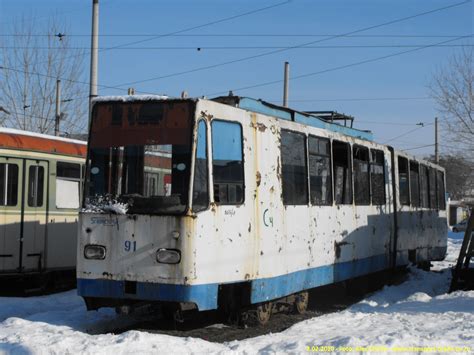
58	107
436	141
94	53
285	84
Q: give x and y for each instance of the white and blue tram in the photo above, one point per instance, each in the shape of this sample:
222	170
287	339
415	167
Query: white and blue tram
261	202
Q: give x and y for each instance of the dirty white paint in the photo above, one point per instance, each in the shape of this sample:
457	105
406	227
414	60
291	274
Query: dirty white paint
260	238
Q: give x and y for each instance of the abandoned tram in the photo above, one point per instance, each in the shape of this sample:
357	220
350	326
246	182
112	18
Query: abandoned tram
232	203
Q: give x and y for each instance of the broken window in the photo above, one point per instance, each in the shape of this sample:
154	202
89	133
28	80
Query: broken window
320	170
440	190
377	177
8	184
35	186
432	184
68	179
403	181
341	153
200	184
227	163
140	153
424	187
414	184
294	173
361	175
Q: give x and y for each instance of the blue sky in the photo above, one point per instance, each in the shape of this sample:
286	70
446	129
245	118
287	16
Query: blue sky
359	90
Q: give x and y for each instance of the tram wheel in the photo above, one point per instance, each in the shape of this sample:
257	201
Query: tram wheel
301	302
264	312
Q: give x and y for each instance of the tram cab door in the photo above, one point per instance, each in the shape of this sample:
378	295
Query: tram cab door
35	201
11	175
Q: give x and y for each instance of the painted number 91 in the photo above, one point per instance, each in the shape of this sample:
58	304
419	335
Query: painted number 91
130	245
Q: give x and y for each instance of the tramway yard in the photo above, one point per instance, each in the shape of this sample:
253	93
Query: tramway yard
56	323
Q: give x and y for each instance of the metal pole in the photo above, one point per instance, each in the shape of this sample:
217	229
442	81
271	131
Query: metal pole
286	83
436	141
58	107
94	53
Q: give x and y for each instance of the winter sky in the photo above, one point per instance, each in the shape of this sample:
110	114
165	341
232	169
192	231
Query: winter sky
386	95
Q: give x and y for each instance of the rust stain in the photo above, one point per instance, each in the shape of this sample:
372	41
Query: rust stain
207	116
259	178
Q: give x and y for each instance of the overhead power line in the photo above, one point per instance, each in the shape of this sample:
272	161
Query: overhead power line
199	48
211	23
418	147
233	35
299	45
340	67
407	133
358	99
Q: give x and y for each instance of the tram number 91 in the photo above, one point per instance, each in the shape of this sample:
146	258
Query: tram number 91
130	245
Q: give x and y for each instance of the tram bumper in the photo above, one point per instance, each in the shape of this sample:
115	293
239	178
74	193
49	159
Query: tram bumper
136	258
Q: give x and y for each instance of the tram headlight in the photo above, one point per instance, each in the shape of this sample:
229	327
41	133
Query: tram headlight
95	252
168	256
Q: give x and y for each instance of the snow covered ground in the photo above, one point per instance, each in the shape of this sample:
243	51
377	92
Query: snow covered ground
417	315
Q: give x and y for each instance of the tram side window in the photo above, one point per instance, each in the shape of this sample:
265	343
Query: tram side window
424	187
8	184
403	181
414	184
341	153
440	190
432	183
227	163
361	175
377	177
320	170
68	179
294	174
35	186
200	185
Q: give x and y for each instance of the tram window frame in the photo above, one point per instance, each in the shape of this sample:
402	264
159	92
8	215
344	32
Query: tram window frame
239	183
316	156
424	187
377	159
415	191
201	199
403	175
440	191
9	184
294	193
346	196
433	196
361	193
35	194
68	173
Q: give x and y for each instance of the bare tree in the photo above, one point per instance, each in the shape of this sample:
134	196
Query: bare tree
452	88
32	60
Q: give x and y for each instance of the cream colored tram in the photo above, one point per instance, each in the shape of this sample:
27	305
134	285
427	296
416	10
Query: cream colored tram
40	194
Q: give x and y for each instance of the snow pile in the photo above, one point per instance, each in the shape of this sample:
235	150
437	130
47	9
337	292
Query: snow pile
130	98
105	204
417	315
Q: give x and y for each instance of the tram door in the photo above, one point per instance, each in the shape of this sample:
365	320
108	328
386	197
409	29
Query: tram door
11	176
35	202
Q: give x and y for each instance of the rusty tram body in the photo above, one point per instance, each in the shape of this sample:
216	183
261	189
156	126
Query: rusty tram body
232	203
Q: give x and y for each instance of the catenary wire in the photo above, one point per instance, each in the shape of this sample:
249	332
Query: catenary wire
299	45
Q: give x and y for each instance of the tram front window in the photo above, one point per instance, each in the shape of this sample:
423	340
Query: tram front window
140	153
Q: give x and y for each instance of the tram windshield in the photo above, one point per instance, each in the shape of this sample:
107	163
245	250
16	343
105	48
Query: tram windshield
140	154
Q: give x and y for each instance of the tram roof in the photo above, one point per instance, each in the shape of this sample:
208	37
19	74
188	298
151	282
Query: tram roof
317	119
314	119
23	140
